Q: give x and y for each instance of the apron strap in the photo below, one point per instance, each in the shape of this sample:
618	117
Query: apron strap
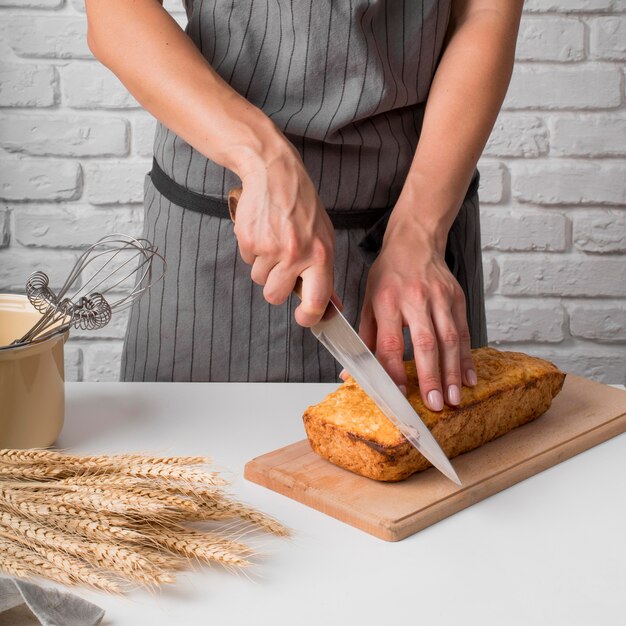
194	201
375	219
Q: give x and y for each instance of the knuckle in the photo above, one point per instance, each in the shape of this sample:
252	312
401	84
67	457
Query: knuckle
453	376
387	297
450	337
440	289
464	335
416	292
467	362
390	344
247	258
244	241
321	253
459	294
425	342
272	296
270	247
291	251
428	380
316	305
257	277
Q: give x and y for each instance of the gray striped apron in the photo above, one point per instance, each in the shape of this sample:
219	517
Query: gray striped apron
347	83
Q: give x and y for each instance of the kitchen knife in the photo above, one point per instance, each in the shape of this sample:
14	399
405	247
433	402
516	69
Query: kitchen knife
342	341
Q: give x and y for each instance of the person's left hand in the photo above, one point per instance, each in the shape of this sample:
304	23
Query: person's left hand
410	284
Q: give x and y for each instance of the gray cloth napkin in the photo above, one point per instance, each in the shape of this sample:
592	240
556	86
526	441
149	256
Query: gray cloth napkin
50	606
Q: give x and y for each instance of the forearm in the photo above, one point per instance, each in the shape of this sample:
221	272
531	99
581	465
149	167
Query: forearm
465	98
160	65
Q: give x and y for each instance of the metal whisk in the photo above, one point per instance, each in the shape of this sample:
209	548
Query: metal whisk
119	266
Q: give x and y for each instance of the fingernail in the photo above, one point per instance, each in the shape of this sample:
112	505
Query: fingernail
402	389
454	394
472	379
435	399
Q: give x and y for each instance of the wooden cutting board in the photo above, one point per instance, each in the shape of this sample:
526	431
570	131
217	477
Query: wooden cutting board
583	415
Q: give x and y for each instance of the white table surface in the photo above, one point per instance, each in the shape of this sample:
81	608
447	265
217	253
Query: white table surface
550	550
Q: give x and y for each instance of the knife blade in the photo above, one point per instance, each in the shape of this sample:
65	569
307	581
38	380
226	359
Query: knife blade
336	334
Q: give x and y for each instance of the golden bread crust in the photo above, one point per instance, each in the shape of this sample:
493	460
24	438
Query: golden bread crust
349	430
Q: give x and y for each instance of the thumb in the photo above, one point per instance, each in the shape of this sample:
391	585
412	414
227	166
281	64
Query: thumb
317	288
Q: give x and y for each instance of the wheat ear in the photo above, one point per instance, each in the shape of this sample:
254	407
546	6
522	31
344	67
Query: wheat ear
123	560
39	561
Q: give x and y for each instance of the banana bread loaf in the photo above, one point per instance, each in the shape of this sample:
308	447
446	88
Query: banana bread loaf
349	430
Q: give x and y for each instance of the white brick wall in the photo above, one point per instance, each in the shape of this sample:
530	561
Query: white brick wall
74	146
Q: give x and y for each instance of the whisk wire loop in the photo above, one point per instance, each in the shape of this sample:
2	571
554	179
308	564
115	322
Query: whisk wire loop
91	305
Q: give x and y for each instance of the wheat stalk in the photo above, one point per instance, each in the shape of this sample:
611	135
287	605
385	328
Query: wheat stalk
228	509
36	472
116	480
37	508
46	465
134	495
99	554
203	546
36	455
50	499
162	471
24	562
98	520
115	501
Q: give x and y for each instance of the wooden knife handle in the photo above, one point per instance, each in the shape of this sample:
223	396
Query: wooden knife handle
233	200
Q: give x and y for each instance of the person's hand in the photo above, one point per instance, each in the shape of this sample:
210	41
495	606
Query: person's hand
284	232
410	284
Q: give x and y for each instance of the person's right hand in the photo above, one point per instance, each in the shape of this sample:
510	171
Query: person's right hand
282	229
284	232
